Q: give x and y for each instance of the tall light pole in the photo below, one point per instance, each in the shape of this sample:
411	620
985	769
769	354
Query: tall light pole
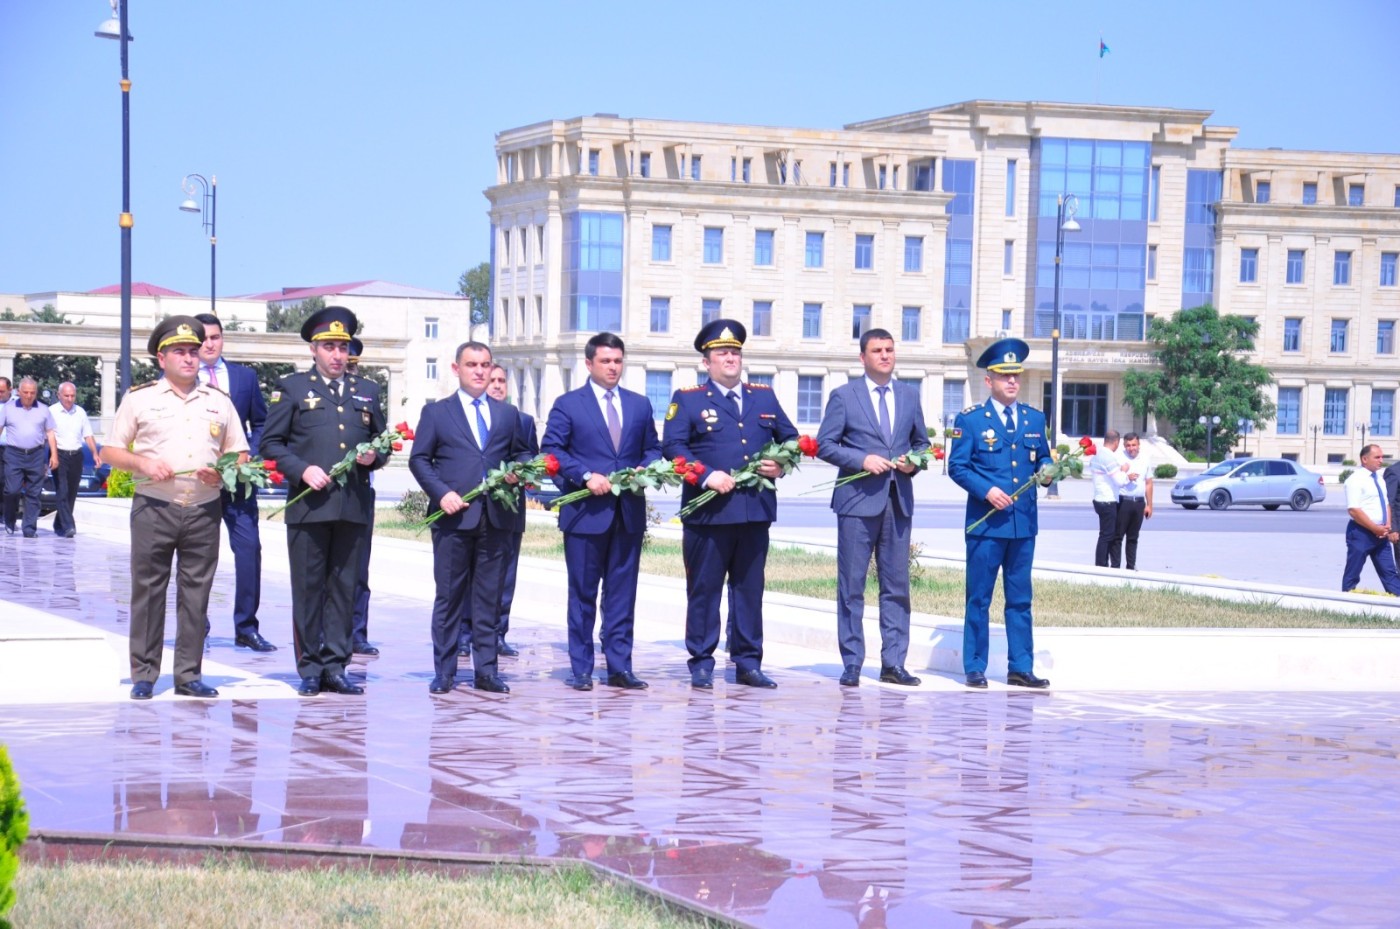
1211	423
1066	206
1244	427
207	209
115	28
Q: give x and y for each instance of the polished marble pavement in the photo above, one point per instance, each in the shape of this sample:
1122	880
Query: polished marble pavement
811	805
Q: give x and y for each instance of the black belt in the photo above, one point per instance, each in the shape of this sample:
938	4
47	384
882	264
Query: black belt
25	450
1126	497
70	451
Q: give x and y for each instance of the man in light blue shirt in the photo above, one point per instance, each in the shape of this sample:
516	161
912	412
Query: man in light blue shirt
31	451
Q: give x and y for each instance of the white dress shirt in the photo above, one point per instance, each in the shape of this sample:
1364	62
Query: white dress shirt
1104	470
1363	495
70	427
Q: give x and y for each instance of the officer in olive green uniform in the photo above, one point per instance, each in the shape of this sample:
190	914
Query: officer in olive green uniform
313	419
168	433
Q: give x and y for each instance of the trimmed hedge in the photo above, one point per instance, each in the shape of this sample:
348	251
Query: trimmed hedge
1164	471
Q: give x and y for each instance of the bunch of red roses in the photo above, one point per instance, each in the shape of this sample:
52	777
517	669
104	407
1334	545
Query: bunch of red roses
787	455
664	472
1060	467
390	440
507	493
920	460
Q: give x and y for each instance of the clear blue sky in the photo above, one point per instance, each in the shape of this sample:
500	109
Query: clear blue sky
353	140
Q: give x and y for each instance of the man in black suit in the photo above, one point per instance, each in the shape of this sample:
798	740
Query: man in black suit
360	627
314	418
240	510
458	440
1392	494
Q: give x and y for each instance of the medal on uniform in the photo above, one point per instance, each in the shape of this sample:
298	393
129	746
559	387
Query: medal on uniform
216	429
709	416
312	400
364	417
990	437
1032	454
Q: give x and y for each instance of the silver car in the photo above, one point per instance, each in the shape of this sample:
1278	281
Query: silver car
1266	482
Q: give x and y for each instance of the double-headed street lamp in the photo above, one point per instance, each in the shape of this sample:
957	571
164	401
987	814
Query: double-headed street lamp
1211	423
1245	426
207	210
115	28
1066	206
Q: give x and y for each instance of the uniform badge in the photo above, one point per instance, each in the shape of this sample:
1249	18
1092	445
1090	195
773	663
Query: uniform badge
216	429
709	416
312	400
990	437
1032	454
767	415
364	417
275	397
671	411
955	433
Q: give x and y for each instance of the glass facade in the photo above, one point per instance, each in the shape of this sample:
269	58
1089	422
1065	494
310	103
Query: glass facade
1198	268
1102	283
593	272
960	180
1290	402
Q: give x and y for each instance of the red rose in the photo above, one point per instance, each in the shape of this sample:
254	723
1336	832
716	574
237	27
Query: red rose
678	463
1086	442
938	453
1090	451
397	446
692	478
808	446
269	465
277	477
697	468
551	465
403	428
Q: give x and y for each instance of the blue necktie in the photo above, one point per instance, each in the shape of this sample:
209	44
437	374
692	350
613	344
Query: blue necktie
1385	510
885	426
1010	421
482	433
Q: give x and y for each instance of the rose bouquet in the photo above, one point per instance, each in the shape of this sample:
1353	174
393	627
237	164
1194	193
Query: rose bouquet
527	474
920	460
238	477
787	455
390	440
664	472
1061	467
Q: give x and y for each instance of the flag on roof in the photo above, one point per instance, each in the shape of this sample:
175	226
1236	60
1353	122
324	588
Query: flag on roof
1103	49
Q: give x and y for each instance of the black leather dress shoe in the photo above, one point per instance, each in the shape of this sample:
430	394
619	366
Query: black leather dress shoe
851	676
755	678
896	674
441	685
364	648
505	648
340	684
310	687
977	679
491	683
702	681
196	689
580	683
1026	679
142	690
627	681
253	640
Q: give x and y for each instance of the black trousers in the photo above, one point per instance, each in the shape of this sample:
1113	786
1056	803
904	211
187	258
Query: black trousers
1107	546
324	558
1130	519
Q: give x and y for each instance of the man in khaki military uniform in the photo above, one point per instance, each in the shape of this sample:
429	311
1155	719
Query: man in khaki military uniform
168	433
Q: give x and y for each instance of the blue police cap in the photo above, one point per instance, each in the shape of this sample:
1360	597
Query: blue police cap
1005	356
357	348
721	333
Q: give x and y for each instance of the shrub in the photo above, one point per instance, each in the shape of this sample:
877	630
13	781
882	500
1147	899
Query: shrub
413	505
14	828
1342	478
120	484
1164	471
1348	463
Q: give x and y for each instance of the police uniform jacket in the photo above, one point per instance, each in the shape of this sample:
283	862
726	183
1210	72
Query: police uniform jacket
701	426
307	426
983	455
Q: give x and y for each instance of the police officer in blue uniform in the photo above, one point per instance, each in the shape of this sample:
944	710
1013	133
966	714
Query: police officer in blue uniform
996	447
722	424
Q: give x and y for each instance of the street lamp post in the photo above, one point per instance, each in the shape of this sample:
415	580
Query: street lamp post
1244	426
208	210
947	443
1315	429
1361	427
1067	205
1210	422
115	28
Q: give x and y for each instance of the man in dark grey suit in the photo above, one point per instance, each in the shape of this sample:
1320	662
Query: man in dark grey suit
869	425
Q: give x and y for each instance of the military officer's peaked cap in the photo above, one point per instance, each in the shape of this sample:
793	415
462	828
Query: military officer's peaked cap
721	333
334	323
1005	356
175	330
357	348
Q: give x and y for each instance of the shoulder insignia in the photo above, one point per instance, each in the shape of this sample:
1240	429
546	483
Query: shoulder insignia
971	408
758	386
691	390
954	433
671	411
274	397
219	389
143	386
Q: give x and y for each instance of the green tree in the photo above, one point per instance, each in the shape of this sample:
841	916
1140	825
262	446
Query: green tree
52	370
476	284
1202	371
14	829
290	318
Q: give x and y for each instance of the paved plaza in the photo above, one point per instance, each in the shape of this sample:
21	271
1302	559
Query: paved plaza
811	805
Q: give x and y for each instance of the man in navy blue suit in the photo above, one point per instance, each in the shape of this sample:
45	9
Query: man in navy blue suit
721	424
240	512
870	423
594	431
996	447
459	438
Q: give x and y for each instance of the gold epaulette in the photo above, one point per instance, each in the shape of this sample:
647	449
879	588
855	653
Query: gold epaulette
218	388
143	386
973	407
691	390
758	386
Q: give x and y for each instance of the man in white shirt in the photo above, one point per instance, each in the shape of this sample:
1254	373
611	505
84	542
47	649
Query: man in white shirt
72	428
1134	501
1107	471
1368	534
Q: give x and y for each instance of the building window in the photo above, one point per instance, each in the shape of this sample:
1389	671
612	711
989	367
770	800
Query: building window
1397	194
881	177
846	174
505	247
1341	269
1008	258
1249	265
914	254
1006	320
1382	412
1198	273
592	271
816	248
833	174
763	380
860	319
646	164
1290	402
593	162
660	314
809	398
762	318
956	320
660	243
865	252
523	254
1261	191
909	324
1385	337
811	320
1011	187
709	310
430	369
747	170
539	319
1248	340
1338	342
954	398
1152	262
714	245
763	247
1294	273
1309	193
659	390
1356	195
923	176
1156	193
695	167
1334	411
1293	334
1388	269
430	328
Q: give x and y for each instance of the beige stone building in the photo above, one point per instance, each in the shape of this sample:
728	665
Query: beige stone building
940	226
